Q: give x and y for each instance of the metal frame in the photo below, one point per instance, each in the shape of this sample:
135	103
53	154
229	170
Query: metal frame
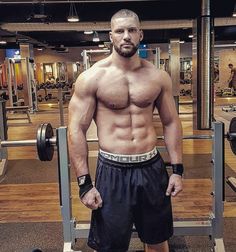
86	58
3	132
212	226
60	104
9	62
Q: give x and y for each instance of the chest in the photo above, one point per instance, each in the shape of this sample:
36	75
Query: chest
120	91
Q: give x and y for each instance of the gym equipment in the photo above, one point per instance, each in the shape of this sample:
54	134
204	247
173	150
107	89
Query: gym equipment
28	89
229	108
44	148
212	226
45	142
22	109
86	54
3	136
231	133
231	181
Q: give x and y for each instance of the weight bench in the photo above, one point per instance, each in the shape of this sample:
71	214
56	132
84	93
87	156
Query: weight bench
23	109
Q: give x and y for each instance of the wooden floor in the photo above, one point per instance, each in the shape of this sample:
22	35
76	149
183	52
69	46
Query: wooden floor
39	202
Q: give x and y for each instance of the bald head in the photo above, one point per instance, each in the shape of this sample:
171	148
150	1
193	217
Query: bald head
124	13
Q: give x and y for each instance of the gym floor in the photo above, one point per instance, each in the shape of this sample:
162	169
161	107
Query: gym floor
30	212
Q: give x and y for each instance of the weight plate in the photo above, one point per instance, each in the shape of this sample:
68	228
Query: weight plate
45	149
38	137
49	147
232	129
43	141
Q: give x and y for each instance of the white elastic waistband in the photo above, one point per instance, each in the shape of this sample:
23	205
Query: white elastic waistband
133	158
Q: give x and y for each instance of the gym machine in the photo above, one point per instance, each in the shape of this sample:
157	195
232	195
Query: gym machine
72	230
29	89
86	54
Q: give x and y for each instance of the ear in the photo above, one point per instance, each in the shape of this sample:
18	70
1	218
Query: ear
141	35
110	35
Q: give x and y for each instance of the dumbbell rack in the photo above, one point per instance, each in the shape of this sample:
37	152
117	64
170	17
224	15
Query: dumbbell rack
212	227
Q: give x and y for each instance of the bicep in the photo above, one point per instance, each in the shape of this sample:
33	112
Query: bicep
82	107
165	102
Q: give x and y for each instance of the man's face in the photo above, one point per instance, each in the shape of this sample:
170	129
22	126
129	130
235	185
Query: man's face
125	36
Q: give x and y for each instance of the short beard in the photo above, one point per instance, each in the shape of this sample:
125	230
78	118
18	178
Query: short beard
126	54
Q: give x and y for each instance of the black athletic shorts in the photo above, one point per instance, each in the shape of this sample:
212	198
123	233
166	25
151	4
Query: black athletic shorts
131	194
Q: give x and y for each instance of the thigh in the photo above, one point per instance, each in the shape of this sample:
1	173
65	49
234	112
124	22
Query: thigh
153	213
111	225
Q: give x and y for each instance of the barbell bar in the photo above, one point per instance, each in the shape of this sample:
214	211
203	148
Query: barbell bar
18	143
187	137
231	136
45	141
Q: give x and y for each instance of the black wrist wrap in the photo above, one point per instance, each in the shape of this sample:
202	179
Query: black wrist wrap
86	186
178	169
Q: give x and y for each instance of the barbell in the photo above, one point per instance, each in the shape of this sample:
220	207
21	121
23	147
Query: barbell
45	140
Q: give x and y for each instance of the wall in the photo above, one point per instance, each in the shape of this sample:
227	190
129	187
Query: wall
74	55
50	56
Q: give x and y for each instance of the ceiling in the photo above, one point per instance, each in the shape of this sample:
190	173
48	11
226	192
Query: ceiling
44	23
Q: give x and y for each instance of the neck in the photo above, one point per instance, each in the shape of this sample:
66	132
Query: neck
130	63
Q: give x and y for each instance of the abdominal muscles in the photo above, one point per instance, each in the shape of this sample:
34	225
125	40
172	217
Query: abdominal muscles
126	131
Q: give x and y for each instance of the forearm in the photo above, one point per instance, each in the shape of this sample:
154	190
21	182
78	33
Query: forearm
173	141
78	149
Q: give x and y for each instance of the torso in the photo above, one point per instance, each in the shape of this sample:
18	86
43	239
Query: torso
125	103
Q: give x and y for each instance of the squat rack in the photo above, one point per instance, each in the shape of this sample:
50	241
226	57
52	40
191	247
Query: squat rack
212	227
72	230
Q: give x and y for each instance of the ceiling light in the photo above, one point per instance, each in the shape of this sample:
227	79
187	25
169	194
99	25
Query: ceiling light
190	36
73	16
101	45
3	42
95	37
40	49
88	32
181	42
